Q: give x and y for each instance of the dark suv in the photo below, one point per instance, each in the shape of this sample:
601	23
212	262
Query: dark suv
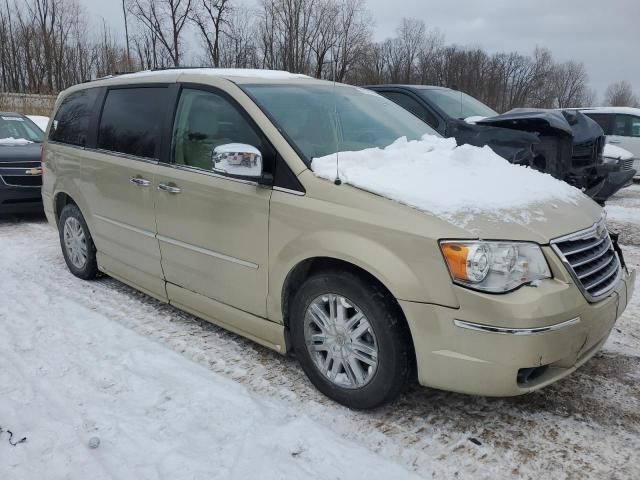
565	144
20	170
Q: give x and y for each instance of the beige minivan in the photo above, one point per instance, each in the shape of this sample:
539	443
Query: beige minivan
195	186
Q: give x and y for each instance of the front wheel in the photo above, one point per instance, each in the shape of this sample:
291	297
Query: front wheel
77	245
351	340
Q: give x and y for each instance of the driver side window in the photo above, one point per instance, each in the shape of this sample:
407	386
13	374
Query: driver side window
204	121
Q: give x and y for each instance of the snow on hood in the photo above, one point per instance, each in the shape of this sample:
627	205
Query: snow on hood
14	141
474	119
453	182
611	151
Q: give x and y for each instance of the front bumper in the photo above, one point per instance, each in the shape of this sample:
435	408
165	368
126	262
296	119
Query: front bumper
19	199
466	360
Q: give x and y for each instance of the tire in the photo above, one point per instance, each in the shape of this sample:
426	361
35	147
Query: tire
368	386
77	245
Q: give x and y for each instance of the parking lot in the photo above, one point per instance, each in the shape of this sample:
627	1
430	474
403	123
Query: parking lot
585	426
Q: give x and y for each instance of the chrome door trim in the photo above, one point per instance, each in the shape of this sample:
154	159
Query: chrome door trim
288	190
206	251
187	168
478	327
141	231
126	156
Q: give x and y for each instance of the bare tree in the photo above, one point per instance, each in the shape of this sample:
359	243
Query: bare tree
210	16
126	33
238	45
165	21
569	83
620	94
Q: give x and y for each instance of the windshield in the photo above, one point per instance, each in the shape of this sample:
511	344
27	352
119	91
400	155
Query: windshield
306	114
19	128
457	104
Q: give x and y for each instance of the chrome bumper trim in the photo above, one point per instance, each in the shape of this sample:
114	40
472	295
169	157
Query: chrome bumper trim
514	331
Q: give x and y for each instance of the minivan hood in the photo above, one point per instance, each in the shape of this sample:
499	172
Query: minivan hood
543	223
475	191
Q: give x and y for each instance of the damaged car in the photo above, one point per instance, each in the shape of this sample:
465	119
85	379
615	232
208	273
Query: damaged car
564	143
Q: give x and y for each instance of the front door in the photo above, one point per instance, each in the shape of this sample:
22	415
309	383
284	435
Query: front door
213	230
119	179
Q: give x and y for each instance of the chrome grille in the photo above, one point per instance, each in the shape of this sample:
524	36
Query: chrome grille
591	260
627	164
21	173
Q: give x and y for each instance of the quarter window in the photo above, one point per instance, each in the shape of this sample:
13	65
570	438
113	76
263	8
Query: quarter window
71	122
204	121
131	121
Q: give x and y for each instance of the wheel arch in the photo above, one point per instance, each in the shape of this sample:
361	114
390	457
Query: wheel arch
314	265
61	200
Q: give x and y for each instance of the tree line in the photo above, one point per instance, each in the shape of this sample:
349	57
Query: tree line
47	45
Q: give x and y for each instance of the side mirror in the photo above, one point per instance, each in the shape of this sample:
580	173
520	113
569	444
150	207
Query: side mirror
238	160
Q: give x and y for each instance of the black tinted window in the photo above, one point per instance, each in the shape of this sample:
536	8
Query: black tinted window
131	120
412	105
71	121
602	119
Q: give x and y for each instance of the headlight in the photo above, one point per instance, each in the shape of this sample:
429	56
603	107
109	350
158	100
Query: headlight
494	266
610	160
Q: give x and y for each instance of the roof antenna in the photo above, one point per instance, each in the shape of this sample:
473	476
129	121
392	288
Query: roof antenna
334	63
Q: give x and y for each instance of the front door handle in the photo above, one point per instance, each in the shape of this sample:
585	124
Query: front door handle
142	182
163	187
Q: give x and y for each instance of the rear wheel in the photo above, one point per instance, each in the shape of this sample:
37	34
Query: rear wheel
351	339
77	245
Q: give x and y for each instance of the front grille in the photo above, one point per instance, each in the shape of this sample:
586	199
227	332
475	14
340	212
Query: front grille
590	258
627	164
20	173
22	180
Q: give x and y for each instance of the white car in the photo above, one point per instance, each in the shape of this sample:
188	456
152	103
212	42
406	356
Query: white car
40	120
621	125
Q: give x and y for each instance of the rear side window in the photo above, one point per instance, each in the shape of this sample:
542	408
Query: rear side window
71	122
131	121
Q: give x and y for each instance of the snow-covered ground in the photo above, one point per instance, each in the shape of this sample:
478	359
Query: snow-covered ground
170	396
623	214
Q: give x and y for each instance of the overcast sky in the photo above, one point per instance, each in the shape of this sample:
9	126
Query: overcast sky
604	34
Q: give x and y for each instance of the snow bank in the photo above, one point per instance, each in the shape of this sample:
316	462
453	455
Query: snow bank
14	141
70	374
40	121
455	183
611	151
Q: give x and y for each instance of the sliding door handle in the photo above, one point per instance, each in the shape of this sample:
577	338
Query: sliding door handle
163	187
142	182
